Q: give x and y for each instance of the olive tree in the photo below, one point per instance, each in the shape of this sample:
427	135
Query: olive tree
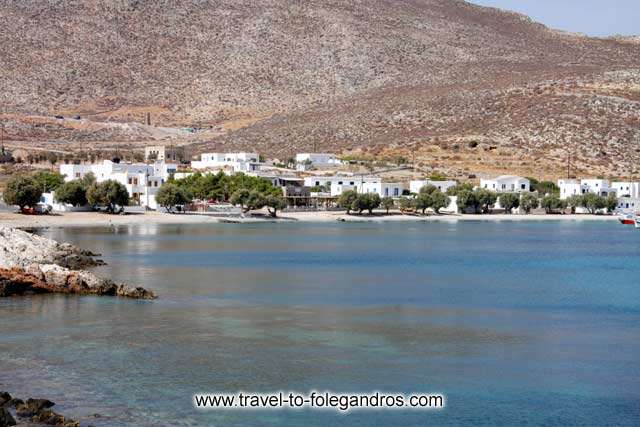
529	201
108	193
467	199
72	192
274	203
593	202
486	199
22	191
611	203
407	204
573	202
438	201
423	201
346	200
551	203
387	203
509	201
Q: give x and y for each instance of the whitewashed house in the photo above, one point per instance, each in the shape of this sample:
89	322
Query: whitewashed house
237	162
627	189
569	187
572	187
384	189
341	183
628	204
306	160
506	184
415	186
140	179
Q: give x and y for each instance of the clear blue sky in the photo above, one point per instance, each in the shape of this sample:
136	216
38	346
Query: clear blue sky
593	17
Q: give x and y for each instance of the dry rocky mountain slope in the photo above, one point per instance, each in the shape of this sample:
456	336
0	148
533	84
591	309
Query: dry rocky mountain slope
463	88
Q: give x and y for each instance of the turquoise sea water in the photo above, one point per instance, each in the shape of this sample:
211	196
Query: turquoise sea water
516	323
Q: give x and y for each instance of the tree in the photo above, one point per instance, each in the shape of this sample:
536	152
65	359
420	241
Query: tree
407	204
72	192
467	199
543	187
486	199
108	193
346	200
529	201
551	203
465	186
275	203
438	201
593	202
573	202
423	200
240	197
22	191
509	201
48	181
611	202
387	203
373	201
171	195
88	180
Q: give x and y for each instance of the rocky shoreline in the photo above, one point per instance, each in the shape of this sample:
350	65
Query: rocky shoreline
31	264
32	412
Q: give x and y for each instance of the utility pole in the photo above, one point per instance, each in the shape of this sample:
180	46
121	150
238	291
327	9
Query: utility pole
2	139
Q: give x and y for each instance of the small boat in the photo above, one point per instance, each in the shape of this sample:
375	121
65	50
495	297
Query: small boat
628	220
637	222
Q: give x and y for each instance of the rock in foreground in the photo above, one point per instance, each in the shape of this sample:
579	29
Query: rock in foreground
33	412
32	264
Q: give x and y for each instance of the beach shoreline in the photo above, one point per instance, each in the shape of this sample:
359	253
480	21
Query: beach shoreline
88	219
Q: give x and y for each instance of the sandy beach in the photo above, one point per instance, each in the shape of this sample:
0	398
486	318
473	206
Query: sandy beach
84	219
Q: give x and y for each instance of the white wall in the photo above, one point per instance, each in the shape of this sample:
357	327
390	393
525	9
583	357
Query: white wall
415	186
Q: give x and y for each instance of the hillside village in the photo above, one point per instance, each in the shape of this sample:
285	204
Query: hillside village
324	181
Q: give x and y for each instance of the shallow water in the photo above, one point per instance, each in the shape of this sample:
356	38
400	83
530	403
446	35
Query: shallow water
514	322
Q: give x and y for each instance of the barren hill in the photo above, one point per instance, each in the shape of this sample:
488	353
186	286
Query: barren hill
458	85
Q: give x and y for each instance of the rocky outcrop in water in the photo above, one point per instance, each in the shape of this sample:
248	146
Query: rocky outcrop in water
33	412
31	264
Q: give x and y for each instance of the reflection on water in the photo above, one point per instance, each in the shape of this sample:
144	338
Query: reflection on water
513	322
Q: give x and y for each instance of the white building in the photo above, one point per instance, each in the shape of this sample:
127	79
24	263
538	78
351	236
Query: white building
305	160
384	189
572	187
628	205
141	180
415	186
341	183
237	162
506	184
569	187
627	189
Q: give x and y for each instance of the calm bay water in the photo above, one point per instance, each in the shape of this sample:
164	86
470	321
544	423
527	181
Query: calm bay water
516	323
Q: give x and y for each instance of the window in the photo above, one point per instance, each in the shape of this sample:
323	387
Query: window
135	181
130	181
77	174
396	191
148	183
339	182
386	191
318	183
523	186
155	183
352	183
